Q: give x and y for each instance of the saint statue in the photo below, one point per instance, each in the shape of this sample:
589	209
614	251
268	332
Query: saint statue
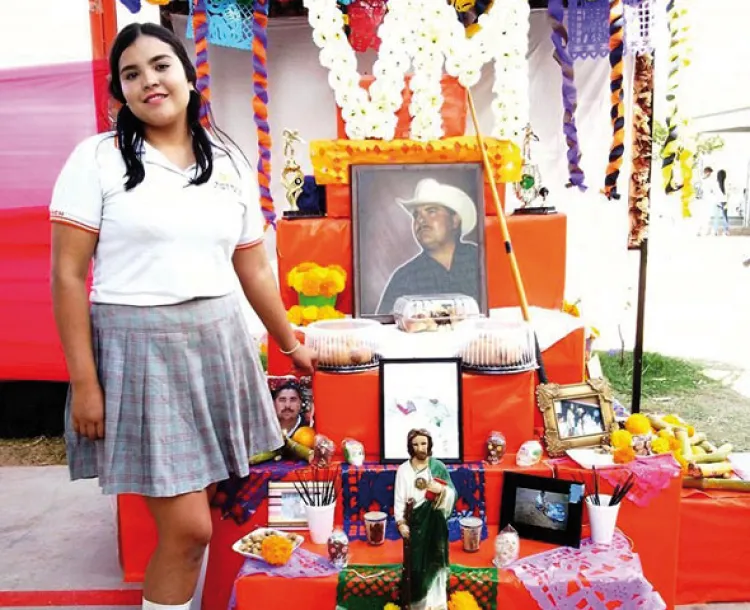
424	484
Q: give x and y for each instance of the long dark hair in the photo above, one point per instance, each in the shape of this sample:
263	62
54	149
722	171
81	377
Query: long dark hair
130	129
721	178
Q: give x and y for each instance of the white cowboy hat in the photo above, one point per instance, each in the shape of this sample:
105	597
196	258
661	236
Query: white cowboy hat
431	191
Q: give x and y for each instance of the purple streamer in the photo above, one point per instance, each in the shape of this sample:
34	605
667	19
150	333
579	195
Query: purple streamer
201	59
569	94
260	37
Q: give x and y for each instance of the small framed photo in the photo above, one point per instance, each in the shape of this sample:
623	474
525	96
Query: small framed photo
576	416
542	508
293	401
420	393
286	508
417	230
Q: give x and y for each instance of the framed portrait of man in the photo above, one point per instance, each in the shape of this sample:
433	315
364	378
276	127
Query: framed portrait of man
417	230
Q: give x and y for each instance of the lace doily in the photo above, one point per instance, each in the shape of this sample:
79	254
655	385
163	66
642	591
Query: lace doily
590	577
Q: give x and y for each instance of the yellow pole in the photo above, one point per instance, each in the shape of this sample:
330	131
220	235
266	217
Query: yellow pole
500	214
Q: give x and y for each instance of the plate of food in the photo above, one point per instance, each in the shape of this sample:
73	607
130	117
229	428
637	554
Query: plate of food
588	458
250	545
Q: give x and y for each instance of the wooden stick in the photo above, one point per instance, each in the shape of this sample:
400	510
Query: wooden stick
500	214
515	272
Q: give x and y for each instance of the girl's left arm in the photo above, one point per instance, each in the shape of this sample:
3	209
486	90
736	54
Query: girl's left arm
259	285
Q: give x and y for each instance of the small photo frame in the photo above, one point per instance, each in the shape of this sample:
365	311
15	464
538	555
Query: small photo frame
576	416
542	508
286	509
293	401
420	393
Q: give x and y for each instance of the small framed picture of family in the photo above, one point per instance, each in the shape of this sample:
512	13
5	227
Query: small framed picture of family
417	230
576	416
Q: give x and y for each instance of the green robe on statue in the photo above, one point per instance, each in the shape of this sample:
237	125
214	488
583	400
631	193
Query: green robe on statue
428	533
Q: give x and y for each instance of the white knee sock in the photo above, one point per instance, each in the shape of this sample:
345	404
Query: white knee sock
147	605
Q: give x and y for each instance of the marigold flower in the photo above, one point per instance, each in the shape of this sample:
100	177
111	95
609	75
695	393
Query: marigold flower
294	315
674	444
309	314
660	445
620	439
276	550
624	455
462	600
391	606
638	424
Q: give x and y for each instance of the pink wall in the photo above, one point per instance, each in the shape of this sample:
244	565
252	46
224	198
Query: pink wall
44	113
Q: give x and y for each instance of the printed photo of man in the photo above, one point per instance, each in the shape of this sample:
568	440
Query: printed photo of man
442	215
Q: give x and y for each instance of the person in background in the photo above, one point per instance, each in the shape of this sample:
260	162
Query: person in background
167	395
721	216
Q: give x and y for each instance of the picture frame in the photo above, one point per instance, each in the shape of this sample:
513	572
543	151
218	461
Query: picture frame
398	238
286	509
293	401
576	416
421	393
542	508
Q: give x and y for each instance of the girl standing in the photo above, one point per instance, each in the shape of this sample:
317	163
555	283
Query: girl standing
167	393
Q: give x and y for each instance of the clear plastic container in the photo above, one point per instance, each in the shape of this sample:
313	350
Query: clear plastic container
344	345
494	346
420	313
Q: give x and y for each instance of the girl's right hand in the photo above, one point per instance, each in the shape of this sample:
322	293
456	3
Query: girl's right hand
87	410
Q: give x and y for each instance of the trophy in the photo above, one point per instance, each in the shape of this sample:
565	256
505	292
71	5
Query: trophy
530	188
292	176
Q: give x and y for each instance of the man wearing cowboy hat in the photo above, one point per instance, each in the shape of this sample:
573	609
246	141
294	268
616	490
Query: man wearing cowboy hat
441	216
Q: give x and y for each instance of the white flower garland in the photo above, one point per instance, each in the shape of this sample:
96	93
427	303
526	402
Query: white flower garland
427	35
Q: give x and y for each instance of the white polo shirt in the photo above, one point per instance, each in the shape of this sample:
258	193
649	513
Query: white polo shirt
165	241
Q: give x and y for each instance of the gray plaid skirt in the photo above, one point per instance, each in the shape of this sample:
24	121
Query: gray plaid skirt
186	399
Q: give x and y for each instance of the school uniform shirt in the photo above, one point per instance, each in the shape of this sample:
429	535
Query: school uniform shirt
164	241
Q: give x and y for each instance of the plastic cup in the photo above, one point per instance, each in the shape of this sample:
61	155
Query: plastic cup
471	533
602	519
320	522
375	522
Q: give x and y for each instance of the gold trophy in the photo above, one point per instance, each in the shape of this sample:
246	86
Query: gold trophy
292	176
530	187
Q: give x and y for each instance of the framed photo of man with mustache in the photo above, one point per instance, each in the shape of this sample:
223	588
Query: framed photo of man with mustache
417	230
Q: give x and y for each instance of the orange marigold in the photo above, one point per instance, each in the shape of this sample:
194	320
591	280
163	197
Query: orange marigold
624	455
276	550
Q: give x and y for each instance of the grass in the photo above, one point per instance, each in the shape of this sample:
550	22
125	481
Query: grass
663	376
673	385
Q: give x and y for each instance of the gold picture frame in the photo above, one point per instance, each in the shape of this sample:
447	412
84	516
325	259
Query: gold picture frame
576	416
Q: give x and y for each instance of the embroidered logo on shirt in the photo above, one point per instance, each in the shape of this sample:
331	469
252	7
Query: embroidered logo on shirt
226	182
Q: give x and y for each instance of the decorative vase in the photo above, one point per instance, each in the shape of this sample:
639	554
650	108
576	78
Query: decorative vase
316	301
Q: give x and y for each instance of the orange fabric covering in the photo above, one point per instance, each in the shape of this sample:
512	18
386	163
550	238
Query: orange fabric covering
653	530
539	243
339	200
263	592
136	536
453	110
714	537
348	406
